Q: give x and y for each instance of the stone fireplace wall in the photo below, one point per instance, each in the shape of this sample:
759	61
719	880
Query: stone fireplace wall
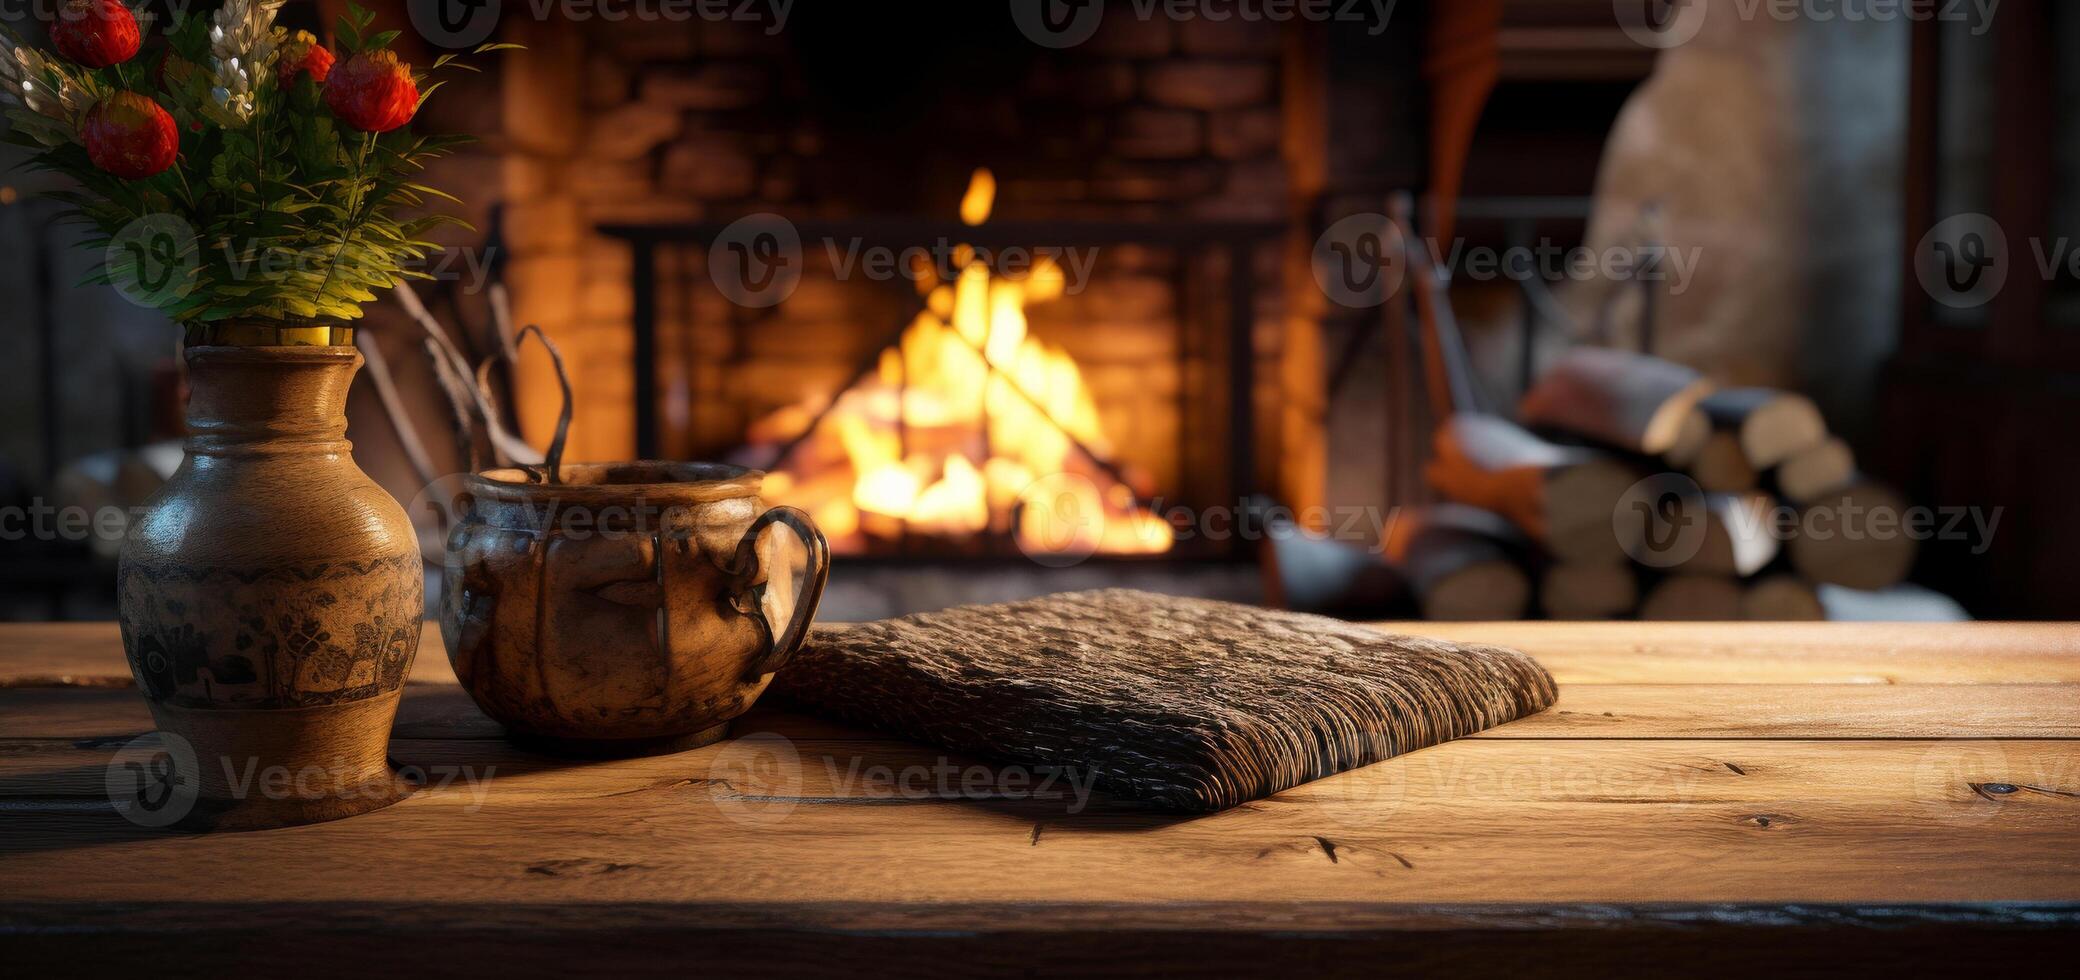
662	122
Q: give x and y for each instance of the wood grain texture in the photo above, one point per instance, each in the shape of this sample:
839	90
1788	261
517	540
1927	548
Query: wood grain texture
1726	820
1185	704
1784	653
1574	653
1740	797
1622	711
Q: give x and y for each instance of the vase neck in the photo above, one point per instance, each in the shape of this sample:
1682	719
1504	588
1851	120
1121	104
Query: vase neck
269	399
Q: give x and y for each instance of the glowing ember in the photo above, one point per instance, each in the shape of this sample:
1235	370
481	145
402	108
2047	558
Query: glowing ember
898	453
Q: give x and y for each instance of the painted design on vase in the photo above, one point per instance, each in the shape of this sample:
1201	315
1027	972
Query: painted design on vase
350	638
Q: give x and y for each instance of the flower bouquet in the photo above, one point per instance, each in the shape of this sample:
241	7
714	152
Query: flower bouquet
257	187
237	174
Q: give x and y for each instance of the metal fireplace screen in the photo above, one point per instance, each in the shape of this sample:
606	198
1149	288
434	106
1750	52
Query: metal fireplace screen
962	433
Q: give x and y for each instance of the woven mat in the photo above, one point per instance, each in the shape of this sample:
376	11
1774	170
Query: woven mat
1183	704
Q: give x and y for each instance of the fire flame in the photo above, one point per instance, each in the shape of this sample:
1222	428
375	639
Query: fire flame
897	454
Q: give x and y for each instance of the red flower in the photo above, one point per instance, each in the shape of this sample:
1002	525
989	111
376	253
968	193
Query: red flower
303	54
130	136
372	92
96	33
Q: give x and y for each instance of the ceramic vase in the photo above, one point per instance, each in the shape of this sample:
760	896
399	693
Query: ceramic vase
271	596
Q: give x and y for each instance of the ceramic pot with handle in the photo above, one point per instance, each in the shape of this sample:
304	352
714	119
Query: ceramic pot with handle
621	609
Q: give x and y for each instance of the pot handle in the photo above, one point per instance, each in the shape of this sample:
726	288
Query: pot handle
751	598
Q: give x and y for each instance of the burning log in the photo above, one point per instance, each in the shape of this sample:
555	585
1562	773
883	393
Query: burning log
1633	402
1563	497
964	424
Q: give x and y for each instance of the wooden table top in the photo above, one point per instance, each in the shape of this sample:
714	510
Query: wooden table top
1754	795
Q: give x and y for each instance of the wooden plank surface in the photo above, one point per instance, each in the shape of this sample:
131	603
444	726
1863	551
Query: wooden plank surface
1575	653
1777	821
1583	711
1818	785
1785	653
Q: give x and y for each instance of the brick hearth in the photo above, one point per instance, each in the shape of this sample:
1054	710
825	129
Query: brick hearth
658	122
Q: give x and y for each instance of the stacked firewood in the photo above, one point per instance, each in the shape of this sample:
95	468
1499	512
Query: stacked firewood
1632	486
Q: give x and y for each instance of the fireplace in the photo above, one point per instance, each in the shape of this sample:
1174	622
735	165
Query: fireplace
1060	398
1086	300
